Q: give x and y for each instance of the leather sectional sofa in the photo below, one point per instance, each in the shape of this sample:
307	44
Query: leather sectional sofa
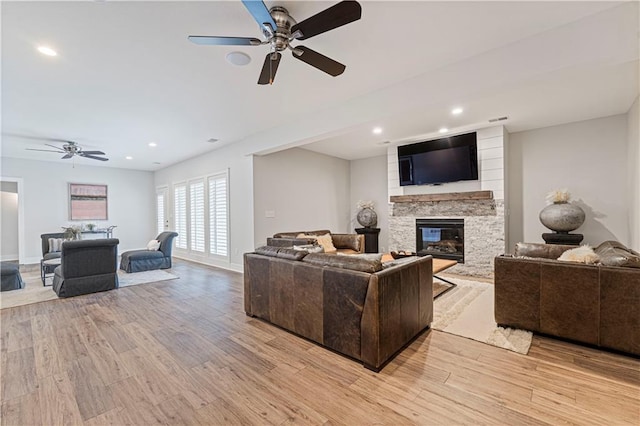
345	303
344	243
593	304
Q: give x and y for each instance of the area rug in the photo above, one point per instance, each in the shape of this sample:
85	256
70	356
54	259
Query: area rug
467	311
34	291
439	287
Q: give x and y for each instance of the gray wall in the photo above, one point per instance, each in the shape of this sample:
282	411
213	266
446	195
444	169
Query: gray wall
240	166
303	189
633	136
46	200
589	158
369	182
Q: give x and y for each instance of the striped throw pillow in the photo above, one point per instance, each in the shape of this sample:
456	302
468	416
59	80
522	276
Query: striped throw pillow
55	245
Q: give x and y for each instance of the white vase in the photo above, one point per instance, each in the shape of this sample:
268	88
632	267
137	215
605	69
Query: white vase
562	217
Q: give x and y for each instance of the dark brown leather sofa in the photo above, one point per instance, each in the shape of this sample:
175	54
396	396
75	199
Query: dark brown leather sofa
369	316
344	243
594	304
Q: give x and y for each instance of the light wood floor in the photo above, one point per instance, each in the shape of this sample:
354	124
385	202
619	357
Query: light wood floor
183	352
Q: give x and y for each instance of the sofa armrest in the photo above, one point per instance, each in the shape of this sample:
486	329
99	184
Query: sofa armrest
544	251
398	307
354	242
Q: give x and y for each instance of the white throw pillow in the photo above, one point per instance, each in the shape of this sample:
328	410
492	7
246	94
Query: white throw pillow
324	240
153	245
55	245
582	254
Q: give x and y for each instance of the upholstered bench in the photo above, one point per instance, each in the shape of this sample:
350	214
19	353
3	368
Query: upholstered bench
11	279
147	260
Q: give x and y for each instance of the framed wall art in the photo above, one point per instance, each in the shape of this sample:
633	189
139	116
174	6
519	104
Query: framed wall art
87	201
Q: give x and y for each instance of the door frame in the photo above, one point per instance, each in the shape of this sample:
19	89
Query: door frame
20	184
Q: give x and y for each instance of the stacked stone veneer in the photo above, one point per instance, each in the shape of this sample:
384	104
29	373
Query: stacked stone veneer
484	229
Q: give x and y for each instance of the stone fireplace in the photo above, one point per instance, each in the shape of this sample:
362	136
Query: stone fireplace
482	238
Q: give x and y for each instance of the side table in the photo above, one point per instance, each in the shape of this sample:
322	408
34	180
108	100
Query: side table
370	239
47	267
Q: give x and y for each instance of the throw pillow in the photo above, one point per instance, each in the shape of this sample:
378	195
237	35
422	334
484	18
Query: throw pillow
582	254
309	248
324	240
55	245
153	245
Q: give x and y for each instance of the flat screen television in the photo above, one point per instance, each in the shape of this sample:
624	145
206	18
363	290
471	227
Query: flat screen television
439	161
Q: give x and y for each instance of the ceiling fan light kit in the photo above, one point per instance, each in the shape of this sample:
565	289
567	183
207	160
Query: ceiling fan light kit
280	29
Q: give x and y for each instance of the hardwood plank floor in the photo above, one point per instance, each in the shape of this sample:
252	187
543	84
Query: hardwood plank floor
184	352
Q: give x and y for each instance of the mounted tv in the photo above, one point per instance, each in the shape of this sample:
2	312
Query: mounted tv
439	161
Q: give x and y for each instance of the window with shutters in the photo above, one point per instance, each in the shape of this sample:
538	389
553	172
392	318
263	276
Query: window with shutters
160	212
196	211
180	214
218	214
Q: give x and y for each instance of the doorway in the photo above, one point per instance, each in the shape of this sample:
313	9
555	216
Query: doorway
11	214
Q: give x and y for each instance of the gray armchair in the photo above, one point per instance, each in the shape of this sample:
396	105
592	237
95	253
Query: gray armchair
46	254
147	260
87	266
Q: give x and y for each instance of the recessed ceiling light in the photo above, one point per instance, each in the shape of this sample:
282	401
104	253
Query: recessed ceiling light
238	58
153	144
377	130
443	130
47	51
457	111
128	157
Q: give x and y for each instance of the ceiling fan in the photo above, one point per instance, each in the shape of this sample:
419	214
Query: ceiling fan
280	29
71	149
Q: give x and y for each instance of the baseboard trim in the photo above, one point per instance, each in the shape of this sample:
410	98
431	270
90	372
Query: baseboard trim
222	265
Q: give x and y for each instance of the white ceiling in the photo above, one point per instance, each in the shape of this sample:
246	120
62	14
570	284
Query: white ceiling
126	75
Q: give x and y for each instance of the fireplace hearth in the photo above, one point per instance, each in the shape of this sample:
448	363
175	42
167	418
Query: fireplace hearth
440	238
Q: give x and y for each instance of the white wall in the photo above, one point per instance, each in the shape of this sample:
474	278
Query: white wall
9	216
633	136
589	158
46	201
303	189
240	166
369	182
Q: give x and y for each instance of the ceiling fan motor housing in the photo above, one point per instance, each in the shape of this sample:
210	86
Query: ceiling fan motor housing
282	34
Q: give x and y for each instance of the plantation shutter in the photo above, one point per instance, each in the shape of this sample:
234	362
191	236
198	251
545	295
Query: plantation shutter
196	208
218	215
180	215
160	212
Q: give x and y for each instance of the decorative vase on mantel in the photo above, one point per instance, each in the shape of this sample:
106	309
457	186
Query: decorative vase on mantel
561	216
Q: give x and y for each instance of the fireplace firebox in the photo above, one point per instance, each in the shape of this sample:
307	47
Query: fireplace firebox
441	238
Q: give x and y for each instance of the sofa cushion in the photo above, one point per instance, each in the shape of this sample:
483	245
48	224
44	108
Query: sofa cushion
612	253
345	262
346	241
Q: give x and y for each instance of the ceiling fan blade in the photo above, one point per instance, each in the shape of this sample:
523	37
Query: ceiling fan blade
260	13
269	68
64	157
319	61
82	154
43	150
56	147
336	16
225	41
92	152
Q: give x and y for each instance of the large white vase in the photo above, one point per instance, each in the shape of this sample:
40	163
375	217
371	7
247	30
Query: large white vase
562	217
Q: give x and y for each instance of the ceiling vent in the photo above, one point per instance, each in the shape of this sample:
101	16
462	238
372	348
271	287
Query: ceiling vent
493	120
212	140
